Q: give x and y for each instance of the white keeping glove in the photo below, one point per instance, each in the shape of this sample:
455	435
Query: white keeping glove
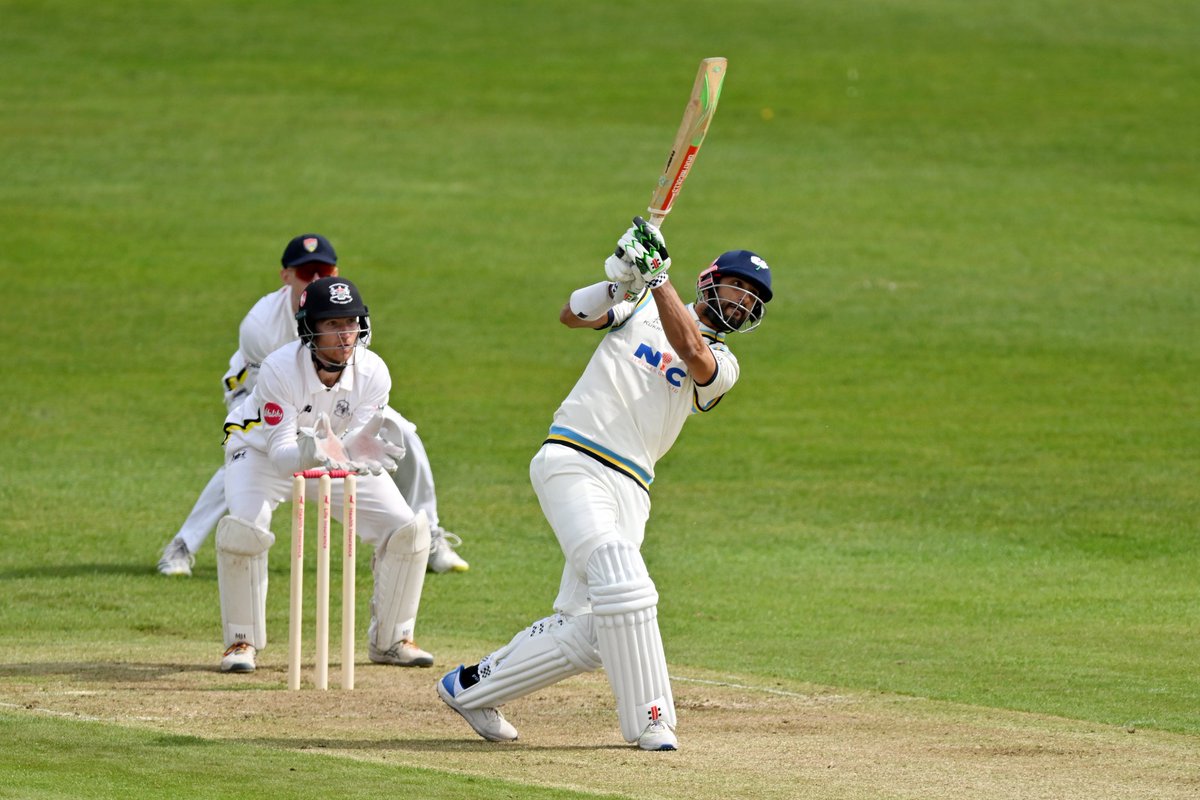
370	451
393	432
320	447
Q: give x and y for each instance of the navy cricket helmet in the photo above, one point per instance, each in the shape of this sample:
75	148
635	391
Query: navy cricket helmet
331	298
743	315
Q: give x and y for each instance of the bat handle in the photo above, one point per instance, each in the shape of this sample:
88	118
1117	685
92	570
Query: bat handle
656	220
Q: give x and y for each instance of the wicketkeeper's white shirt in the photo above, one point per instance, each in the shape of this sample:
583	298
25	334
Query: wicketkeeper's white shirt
288	395
629	406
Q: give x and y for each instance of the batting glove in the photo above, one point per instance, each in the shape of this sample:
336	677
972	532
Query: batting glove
643	246
619	270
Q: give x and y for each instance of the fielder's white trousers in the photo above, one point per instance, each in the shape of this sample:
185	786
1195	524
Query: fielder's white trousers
587	504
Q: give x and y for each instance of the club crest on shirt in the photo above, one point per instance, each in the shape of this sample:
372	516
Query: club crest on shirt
342	409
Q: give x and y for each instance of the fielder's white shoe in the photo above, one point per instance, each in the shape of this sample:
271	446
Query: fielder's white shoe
487	722
442	557
404	653
658	736
176	559
239	658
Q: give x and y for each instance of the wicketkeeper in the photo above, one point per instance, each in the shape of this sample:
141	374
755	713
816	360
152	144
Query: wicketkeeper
269	325
659	362
319	402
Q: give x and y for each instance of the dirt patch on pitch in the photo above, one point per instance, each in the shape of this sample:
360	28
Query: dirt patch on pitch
736	740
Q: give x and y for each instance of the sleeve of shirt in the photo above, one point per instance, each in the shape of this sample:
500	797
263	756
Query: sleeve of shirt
233	382
621	312
255	340
279	413
726	376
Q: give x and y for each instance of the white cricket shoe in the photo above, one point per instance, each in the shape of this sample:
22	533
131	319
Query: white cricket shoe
239	658
403	653
442	557
658	736
176	559
487	722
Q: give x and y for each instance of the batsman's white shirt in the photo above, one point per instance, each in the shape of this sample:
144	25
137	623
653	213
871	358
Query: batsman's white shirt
288	395
629	406
268	325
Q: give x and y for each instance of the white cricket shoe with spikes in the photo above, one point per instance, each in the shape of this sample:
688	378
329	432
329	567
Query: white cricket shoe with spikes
658	736
176	559
240	657
404	653
487	722
442	557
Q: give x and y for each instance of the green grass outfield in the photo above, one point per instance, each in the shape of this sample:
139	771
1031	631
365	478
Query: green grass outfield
963	461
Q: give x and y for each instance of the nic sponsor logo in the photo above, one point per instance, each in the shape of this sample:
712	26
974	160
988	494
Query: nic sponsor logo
661	363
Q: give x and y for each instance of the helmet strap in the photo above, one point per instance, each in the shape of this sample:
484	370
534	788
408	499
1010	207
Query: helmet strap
324	366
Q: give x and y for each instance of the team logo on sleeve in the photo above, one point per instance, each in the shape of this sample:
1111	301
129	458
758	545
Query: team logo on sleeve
272	414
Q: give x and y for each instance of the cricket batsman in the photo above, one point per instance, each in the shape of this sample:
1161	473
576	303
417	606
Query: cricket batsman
658	362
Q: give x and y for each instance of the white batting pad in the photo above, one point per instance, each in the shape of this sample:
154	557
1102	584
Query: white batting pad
625	606
399	568
242	580
548	651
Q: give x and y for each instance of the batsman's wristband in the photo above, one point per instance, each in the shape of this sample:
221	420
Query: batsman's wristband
657	281
592	302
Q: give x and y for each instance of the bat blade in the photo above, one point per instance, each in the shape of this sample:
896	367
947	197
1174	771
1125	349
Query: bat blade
698	115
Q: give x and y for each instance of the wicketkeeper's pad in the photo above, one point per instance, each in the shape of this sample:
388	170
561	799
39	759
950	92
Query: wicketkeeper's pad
242	580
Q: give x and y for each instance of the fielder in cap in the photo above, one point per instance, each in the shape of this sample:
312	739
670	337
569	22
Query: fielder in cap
319	402
269	325
659	362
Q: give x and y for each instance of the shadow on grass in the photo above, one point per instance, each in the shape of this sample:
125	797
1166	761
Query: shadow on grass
424	745
148	568
100	671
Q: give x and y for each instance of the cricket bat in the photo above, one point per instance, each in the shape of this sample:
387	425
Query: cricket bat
692	128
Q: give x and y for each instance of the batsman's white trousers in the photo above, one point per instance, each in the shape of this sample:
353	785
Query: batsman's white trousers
587	504
254	488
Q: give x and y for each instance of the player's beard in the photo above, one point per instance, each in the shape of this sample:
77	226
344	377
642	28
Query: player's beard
735	314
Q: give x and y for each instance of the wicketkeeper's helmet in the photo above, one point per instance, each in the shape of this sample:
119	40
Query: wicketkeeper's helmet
331	298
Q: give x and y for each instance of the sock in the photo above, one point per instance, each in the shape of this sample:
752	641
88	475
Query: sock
469	676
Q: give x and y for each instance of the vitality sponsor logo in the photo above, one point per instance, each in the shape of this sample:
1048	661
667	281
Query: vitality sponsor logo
661	363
